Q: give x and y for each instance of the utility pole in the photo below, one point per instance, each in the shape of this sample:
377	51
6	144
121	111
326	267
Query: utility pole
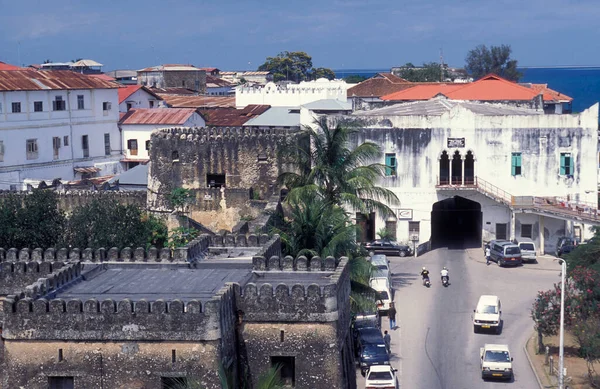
441	65
561	347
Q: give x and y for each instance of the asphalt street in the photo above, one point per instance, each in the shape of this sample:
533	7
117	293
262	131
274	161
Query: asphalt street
435	346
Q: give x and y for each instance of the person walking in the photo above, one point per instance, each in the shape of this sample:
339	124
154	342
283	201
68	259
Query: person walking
487	255
387	339
392	316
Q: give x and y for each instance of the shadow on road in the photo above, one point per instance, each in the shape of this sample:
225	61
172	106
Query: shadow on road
400	280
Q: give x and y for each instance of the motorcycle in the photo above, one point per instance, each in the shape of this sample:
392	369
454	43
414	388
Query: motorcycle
426	282
445	280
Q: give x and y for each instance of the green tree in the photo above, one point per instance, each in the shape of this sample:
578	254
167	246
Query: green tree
106	223
181	236
384	233
481	61
317	73
294	66
31	220
355	78
346	177
429	72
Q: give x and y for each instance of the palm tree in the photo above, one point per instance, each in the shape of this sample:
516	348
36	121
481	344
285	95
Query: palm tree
316	227
343	176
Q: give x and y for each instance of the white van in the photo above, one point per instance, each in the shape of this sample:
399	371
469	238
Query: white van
382	268
382	286
528	251
488	314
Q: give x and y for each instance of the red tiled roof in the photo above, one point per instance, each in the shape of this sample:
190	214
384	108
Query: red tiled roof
5	66
379	85
549	94
488	88
127	91
209	69
157	116
231	117
179	101
13	80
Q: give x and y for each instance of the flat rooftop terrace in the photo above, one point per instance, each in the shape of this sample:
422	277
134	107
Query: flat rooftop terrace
151	282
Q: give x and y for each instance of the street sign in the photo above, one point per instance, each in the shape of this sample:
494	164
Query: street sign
456	142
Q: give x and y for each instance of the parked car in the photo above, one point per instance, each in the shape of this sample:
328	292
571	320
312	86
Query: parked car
381	376
389	247
487	314
562	242
505	253
371	349
496	361
384	293
365	320
566	249
528	251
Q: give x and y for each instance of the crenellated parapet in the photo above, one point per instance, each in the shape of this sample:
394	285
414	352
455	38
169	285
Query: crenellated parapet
306	301
289	263
16	275
55	281
240	240
113	254
220	134
119	320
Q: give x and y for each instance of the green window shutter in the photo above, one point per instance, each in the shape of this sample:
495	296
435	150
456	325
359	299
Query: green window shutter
390	164
562	164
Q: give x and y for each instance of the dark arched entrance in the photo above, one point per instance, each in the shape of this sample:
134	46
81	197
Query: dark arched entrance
469	169
456	223
444	169
456	169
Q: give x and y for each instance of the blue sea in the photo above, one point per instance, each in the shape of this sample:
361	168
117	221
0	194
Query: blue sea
580	83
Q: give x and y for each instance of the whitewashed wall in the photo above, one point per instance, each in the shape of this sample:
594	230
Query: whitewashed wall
293	95
141	99
93	121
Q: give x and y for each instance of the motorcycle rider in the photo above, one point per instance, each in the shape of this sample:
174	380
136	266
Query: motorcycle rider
425	274
445	273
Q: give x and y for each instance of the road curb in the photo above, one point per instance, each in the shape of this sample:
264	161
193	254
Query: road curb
528	267
537	378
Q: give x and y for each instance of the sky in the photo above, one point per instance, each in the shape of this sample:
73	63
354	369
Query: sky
352	34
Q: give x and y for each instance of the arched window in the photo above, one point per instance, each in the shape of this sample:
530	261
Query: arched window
444	169
469	169
456	169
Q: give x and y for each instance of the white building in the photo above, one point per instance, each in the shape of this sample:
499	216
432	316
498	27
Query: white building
56	124
466	172
291	95
137	126
138	96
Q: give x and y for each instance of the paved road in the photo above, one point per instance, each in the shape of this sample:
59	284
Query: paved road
435	347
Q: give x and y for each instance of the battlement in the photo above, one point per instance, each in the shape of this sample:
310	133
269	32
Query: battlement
15	276
312	300
127	254
212	134
117	320
289	263
54	282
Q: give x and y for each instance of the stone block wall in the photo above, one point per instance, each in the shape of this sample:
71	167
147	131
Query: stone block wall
183	157
15	276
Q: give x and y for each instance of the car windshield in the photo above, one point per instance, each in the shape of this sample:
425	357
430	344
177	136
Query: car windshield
383	296
365	323
382	267
527	246
513	250
489	309
375	349
497	356
380	375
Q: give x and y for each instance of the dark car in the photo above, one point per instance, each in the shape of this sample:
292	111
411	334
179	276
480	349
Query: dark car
365	320
371	349
389	247
566	249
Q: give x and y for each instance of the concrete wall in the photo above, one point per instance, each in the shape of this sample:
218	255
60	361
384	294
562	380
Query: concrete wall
418	142
141	99
93	121
293	95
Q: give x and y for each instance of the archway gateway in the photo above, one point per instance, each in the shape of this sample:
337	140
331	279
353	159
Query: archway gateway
456	222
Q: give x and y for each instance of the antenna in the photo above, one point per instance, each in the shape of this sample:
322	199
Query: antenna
441	65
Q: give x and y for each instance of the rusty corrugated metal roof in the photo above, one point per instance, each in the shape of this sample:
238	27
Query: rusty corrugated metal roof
16	80
157	116
179	101
231	117
6	66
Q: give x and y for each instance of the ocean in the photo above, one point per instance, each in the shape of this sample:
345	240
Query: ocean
580	83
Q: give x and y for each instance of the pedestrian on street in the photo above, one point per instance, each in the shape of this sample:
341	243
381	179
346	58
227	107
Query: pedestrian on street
387	339
392	316
487	255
